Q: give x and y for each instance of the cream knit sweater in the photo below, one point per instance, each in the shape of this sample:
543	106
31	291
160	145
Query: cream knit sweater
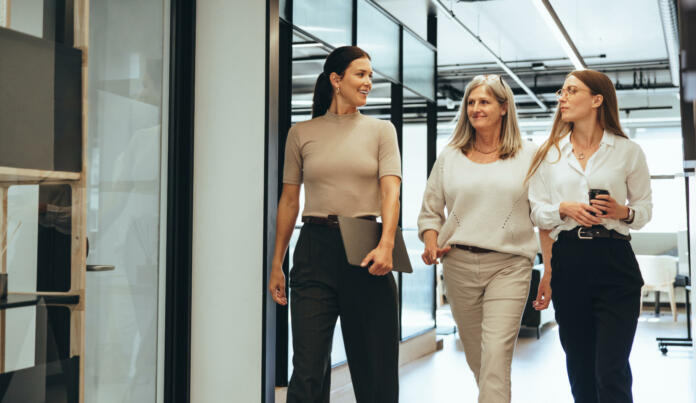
487	204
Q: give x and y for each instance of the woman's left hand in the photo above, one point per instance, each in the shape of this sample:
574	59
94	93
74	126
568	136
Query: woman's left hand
610	207
381	258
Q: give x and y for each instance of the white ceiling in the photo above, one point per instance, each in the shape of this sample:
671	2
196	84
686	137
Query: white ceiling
623	30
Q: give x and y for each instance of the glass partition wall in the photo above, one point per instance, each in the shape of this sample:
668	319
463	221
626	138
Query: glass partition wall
402	86
81	94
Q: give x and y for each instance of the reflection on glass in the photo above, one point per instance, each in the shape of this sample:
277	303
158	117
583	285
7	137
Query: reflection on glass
418	288
379	36
123	217
283	12
419	66
328	20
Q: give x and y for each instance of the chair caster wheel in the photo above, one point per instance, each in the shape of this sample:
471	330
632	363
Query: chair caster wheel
663	350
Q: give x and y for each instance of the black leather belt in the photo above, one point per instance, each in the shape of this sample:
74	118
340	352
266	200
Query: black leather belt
472	249
331	220
594	232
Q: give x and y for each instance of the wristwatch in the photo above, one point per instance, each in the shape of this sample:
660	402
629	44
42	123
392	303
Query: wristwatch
631	216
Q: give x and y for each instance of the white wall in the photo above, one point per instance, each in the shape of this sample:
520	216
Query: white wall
228	201
27	16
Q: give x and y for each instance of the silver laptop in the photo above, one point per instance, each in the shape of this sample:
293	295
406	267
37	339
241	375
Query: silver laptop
361	236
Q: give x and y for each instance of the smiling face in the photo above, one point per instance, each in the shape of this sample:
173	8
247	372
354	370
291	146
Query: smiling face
355	84
576	101
483	109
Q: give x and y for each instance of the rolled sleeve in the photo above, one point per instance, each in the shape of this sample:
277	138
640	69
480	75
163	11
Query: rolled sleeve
432	214
544	213
639	191
389	156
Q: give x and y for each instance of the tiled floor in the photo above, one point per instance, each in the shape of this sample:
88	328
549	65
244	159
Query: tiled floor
538	369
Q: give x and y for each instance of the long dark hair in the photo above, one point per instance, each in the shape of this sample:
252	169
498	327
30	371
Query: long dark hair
337	62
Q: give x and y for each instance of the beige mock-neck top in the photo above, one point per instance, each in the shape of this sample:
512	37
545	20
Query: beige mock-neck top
340	159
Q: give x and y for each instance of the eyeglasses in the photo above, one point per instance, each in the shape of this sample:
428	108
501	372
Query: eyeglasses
493	77
568	92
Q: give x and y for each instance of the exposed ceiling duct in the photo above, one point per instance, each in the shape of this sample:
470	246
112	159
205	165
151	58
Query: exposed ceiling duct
497	58
668	14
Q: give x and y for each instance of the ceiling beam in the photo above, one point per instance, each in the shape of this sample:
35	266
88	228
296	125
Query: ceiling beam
554	23
498	60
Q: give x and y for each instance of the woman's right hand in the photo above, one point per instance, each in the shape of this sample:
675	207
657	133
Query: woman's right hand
432	253
580	212
276	285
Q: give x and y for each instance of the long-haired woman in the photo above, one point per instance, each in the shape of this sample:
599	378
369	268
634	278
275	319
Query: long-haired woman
349	164
585	242
487	238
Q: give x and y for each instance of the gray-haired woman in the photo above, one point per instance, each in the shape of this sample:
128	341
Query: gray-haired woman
487	239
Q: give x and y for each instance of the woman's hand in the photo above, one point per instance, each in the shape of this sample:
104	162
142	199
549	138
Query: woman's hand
276	285
609	207
580	212
543	298
432	253
381	258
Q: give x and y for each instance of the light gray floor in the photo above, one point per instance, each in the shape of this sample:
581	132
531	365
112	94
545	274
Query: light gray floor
538	369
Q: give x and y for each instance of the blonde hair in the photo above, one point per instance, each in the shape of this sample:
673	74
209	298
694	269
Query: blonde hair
607	115
464	134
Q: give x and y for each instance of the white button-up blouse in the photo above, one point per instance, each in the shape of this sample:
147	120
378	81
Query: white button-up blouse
618	166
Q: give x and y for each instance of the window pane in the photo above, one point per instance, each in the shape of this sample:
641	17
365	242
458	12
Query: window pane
328	20
418	288
379	36
662	148
419	66
669	206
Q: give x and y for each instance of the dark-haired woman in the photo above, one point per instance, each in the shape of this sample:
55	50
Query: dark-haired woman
350	165
596	281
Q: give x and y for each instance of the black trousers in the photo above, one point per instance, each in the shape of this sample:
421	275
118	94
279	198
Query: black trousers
323	287
596	294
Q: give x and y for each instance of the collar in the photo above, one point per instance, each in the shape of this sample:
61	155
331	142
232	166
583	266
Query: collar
608	139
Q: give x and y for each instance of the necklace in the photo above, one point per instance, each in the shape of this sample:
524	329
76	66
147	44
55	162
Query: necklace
486	153
580	155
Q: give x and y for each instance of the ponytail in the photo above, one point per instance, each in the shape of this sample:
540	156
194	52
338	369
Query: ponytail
323	95
337	62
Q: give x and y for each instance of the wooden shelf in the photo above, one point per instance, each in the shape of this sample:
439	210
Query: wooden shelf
33	176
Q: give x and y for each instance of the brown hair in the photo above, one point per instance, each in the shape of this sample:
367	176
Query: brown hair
607	115
464	134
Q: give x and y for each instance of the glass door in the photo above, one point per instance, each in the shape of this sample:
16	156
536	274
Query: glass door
125	101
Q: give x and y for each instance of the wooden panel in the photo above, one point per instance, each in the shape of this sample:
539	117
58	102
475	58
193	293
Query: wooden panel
79	217
10	175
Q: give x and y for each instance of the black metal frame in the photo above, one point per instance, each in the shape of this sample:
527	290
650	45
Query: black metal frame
270	207
177	350
431	123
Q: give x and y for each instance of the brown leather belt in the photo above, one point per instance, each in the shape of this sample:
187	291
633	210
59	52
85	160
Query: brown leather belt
594	232
472	249
331	220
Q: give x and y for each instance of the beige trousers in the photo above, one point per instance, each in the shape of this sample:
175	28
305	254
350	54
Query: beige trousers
487	293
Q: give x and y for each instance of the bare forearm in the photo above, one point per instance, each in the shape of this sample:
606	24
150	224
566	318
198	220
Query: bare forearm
285	223
430	237
546	246
390	186
390	219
